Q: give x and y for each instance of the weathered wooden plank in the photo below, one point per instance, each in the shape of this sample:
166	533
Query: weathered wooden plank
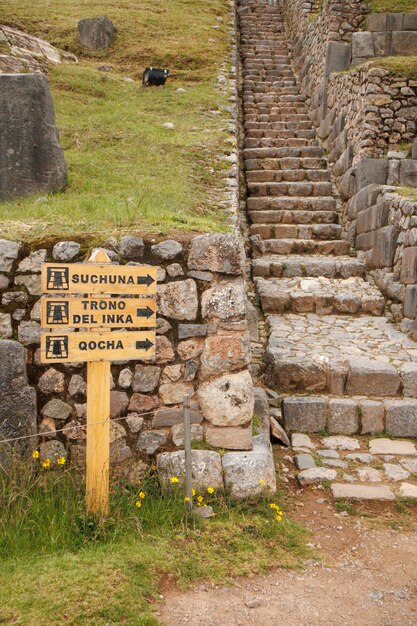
95	312
94	278
97	346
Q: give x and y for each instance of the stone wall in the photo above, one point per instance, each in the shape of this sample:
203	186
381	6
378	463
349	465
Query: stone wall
320	42
386	226
203	348
387	34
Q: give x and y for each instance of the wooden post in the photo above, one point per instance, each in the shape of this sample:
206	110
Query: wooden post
187	453
98	427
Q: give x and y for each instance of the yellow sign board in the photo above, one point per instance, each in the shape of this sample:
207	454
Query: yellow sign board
97	346
96	312
95	278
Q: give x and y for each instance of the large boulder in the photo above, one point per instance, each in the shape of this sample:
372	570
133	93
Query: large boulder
32	159
96	33
18	399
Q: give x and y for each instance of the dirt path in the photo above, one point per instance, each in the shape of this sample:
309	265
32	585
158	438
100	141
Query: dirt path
366	577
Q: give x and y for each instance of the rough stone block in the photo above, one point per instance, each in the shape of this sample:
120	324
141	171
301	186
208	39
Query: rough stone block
206	468
409	266
410	302
316	475
338	56
225	353
228	400
342	491
410	21
18	399
372	378
225	301
304	461
382	44
218	253
408	171
96	33
178	300
384	243
395	21
362	45
377	22
409	379
304	414
404	43
248	474
343	417
390	447
32	159
229	438
372	416
294	373
401	418
169	417
186	331
371	171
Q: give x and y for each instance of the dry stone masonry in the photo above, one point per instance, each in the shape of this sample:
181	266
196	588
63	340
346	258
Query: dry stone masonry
203	350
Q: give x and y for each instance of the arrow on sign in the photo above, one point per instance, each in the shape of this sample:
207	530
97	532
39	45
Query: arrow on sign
145	312
145	280
144	345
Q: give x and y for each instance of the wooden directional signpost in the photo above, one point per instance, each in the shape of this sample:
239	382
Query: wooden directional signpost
95	311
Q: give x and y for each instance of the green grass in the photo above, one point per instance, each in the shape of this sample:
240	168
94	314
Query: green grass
57	565
127	172
393	6
400	66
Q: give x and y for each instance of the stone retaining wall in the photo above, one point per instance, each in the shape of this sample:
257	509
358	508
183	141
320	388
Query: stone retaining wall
203	348
386	238
387	34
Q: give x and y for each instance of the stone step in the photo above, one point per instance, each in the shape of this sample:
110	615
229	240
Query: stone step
285	163
278	176
345	356
297	231
282	153
293	217
301	203
290	188
360	493
324	296
303	133
279	143
300	246
313	265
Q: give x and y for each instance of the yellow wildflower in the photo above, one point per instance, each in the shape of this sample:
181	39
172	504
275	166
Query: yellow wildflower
142	495
210	490
153	468
46	464
35	454
61	460
200	499
262	482
278	518
187	499
174	480
138	503
193	492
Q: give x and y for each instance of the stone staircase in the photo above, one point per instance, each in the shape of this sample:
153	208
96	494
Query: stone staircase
336	363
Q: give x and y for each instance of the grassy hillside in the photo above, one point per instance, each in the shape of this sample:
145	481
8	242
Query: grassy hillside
393	6
126	171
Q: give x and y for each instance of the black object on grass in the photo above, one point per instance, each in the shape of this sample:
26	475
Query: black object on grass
154	76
